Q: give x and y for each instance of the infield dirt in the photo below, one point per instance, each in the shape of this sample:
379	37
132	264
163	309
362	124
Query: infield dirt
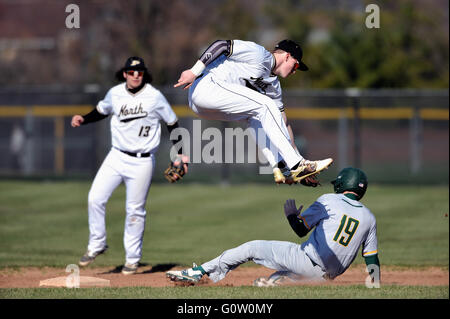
149	276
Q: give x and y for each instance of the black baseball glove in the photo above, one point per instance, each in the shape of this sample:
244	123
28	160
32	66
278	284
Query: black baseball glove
177	169
310	181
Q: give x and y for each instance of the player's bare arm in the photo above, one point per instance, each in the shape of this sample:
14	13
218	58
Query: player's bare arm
216	49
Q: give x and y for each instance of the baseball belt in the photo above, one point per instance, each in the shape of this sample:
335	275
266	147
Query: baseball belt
136	154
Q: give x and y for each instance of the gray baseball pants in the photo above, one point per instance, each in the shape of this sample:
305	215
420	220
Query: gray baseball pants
278	255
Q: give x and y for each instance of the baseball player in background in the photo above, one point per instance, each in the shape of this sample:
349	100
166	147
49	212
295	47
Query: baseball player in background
341	225
137	109
236	80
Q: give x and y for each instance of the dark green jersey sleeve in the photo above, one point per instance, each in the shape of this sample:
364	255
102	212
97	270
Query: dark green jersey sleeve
298	225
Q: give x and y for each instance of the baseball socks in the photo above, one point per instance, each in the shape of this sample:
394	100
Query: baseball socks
199	268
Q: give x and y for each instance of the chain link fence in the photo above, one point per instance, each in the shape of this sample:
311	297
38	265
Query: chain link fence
396	136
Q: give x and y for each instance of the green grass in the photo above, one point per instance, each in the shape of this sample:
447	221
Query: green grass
45	224
303	292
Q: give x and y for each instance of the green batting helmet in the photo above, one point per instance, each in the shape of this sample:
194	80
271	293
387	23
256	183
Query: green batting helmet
351	179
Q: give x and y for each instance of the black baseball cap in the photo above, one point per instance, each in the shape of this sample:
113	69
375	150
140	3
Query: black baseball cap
295	50
137	64
134	63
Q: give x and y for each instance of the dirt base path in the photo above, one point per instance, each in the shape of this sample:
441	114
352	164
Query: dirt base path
149	276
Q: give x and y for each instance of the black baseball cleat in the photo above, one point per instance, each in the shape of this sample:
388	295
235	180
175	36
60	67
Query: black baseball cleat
89	257
130	269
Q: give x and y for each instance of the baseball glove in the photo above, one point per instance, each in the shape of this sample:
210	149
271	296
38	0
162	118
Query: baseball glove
310	181
177	169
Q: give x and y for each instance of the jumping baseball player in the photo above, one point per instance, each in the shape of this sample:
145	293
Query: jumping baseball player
341	225
236	80
137	109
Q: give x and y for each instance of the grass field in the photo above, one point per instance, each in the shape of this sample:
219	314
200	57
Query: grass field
45	224
303	292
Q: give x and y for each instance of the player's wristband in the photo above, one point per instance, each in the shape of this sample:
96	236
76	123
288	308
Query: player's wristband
198	68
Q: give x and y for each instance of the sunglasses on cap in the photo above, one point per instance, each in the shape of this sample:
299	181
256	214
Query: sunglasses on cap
132	73
296	65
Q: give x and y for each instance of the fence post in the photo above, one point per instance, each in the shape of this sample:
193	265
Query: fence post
415	141
59	144
355	95
29	143
342	139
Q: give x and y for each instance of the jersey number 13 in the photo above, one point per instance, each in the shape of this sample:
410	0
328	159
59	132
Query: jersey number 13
144	130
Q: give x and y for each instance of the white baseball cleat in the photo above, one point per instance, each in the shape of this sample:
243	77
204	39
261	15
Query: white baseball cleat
307	168
187	275
264	282
278	278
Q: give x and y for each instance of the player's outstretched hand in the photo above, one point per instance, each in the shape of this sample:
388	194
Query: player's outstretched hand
290	208
186	79
77	120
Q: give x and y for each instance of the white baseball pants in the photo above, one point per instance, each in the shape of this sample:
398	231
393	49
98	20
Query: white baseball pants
218	100
137	174
278	255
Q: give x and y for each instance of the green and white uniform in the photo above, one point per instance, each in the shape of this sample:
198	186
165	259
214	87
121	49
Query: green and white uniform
341	225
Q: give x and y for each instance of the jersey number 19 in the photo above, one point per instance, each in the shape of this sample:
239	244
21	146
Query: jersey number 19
349	226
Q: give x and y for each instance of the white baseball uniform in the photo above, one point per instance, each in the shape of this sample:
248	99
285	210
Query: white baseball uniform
341	225
135	129
240	86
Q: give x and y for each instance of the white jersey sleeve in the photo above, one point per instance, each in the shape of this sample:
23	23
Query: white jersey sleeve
370	245
105	106
164	111
248	64
247	52
273	91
